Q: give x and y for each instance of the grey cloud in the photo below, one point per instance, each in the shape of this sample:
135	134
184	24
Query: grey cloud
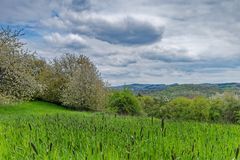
117	30
122	75
170	55
80	5
29	11
25	11
211	65
124	63
166	57
118	62
115	75
116	59
124	30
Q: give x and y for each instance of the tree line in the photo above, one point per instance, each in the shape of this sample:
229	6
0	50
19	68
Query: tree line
74	81
71	80
219	108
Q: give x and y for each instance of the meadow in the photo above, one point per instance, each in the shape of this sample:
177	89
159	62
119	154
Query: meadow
40	130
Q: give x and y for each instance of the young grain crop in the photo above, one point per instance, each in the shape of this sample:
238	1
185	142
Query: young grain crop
68	135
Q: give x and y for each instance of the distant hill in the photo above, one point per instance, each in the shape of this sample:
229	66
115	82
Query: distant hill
143	87
186	90
228	85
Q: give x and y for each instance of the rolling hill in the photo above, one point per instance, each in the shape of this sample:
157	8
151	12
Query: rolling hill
188	90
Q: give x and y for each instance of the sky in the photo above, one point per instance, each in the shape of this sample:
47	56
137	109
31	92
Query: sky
136	41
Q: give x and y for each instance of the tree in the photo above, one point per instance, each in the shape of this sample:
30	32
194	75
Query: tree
16	73
5	99
51	81
124	102
85	89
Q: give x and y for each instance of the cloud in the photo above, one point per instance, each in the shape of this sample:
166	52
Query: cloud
125	31
118	29
169	55
137	41
122	61
72	41
80	5
25	11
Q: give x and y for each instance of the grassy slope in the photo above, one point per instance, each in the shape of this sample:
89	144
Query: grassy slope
39	130
36	107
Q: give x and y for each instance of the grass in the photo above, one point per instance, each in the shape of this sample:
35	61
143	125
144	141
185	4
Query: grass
39	130
36	107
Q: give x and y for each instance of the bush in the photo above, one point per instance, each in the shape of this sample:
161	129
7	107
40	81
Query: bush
187	109
149	105
200	109
217	107
124	102
231	113
152	106
178	108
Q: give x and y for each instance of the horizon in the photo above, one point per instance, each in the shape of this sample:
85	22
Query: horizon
143	42
174	84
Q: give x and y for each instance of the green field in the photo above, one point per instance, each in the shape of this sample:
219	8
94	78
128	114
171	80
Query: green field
39	130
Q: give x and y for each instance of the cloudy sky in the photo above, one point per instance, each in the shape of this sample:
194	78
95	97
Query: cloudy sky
136	41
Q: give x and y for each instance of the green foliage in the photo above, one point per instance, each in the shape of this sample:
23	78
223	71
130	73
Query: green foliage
124	102
232	108
48	131
188	90
149	105
152	106
217	109
179	108
200	109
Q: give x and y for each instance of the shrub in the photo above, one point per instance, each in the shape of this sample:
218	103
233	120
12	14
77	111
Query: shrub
152	106
178	108
200	109
124	102
231	113
217	107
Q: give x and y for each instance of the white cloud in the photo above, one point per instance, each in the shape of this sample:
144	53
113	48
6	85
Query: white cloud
157	41
68	41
